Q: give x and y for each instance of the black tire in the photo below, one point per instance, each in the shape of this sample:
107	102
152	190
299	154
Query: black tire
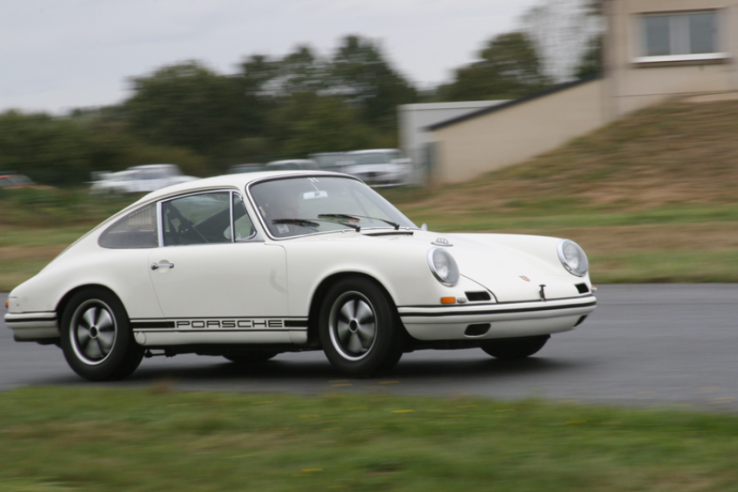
96	337
515	348
359	328
251	357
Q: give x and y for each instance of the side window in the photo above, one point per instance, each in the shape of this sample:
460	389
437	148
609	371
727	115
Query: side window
242	225
135	230
197	219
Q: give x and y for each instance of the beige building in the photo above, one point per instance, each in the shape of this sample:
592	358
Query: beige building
654	50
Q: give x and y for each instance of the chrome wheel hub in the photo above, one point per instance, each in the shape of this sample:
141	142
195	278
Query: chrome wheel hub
93	331
353	325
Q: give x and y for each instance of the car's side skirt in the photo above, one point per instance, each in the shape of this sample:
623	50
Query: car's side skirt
238	330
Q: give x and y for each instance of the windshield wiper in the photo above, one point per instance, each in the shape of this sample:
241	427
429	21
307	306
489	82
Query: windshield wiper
346	216
312	223
300	222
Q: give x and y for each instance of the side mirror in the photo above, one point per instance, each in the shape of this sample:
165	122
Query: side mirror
424	227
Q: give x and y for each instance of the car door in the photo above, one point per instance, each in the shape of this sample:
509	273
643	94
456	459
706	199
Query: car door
212	265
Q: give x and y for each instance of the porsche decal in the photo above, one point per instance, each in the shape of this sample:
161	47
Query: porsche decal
218	324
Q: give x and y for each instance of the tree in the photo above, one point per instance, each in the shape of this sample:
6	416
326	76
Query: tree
358	73
591	62
362	76
308	122
299	71
190	106
49	150
508	68
562	31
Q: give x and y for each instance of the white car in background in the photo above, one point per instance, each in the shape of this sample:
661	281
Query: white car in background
291	165
139	179
332	161
380	167
247	266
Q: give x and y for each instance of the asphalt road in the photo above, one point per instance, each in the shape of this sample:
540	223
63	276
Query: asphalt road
665	345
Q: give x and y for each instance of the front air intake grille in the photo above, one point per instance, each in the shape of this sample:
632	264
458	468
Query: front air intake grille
478	296
477	330
582	288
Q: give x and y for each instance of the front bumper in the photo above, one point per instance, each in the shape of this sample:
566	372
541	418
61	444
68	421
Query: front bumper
506	320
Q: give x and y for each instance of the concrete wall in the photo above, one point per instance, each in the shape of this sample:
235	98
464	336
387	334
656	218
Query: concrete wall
634	81
415	118
512	134
469	147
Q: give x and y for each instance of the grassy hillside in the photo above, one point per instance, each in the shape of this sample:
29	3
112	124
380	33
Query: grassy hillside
652	197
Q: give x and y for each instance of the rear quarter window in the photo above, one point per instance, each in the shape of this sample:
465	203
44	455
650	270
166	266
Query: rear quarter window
136	230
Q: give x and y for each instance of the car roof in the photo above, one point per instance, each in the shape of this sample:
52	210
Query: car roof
239	181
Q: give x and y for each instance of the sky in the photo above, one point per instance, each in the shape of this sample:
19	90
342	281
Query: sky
57	55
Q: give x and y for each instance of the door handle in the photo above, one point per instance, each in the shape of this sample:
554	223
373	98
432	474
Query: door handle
156	266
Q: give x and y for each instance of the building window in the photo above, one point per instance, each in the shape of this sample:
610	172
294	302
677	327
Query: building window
689	35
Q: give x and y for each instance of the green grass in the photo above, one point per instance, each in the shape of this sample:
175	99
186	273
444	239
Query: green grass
538	218
665	266
153	440
35	237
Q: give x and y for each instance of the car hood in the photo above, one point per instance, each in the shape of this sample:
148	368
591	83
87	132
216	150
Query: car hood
512	267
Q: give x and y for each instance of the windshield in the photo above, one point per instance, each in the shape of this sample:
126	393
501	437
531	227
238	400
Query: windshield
300	206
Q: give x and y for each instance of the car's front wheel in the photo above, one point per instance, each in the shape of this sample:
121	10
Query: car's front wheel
96	337
359	329
515	348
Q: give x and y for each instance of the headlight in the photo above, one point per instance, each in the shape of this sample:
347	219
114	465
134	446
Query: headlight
573	258
443	266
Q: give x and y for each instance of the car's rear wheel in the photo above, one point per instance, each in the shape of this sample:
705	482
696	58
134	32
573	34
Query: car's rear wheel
96	337
515	348
251	357
359	328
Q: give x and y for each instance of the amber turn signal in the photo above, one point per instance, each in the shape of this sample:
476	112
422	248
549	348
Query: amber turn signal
448	300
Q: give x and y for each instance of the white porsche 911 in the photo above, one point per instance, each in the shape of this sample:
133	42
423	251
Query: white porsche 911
251	265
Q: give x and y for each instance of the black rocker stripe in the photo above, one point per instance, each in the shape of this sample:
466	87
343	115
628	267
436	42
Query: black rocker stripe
152	324
29	320
221	317
501	311
139	325
211	330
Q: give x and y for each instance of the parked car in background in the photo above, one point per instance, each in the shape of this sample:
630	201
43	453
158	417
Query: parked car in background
139	179
14	180
333	161
246	168
292	165
380	167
